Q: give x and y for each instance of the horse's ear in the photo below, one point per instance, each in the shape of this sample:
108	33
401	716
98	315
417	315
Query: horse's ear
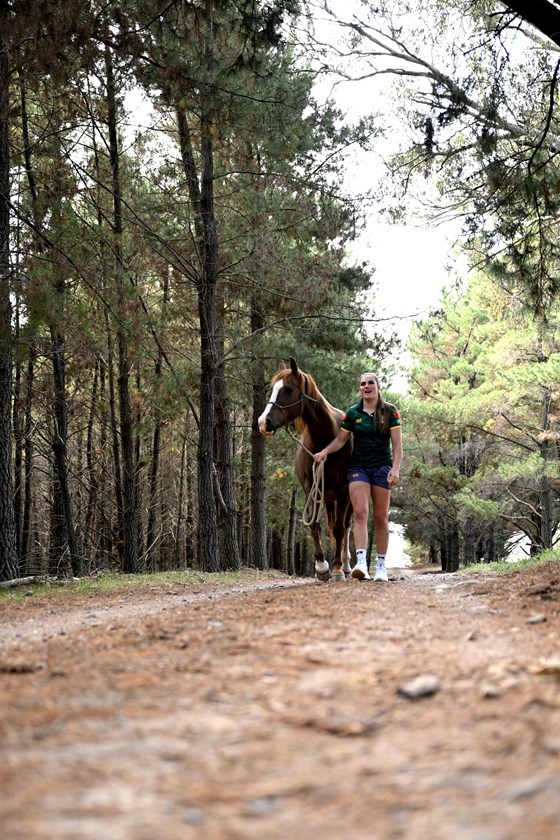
293	366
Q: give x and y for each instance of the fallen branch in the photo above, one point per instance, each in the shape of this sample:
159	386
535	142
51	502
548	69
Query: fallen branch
8	584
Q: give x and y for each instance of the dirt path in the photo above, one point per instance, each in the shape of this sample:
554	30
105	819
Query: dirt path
282	710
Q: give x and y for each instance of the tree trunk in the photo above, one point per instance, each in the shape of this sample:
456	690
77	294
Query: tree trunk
93	478
276	550
453	552
60	405
491	553
202	200
151	530
208	545
433	553
117	470
104	516
444	554
469	542
546	503
18	421
258	451
59	446
129	508
227	510
28	461
8	552
179	560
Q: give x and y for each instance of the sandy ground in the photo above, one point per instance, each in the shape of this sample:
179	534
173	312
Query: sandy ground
427	707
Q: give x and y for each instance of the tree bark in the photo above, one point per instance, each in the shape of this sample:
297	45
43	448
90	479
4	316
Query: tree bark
93	478
18	423
129	508
151	538
60	444
546	503
453	555
178	561
8	552
202	200
469	542
258	451
28	460
227	509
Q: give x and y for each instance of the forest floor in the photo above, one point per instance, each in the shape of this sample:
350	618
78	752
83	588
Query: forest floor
427	707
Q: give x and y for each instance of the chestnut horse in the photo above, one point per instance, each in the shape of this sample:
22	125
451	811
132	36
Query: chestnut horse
296	398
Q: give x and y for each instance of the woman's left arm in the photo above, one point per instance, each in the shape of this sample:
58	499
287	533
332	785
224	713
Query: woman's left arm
397	447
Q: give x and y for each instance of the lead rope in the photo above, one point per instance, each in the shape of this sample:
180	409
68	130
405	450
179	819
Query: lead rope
312	510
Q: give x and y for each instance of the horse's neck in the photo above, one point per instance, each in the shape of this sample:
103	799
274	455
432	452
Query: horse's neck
322	422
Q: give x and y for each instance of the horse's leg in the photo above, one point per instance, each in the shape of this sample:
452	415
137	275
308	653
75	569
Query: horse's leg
322	569
345	554
336	529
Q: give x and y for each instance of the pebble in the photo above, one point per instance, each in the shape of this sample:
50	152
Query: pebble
490	692
536	619
424	685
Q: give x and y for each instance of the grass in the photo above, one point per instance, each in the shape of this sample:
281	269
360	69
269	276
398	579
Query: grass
113	582
504	567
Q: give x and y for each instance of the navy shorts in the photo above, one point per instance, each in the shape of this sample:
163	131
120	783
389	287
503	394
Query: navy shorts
376	476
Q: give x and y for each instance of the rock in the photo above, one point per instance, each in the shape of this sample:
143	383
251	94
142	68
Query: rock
548	667
424	685
490	691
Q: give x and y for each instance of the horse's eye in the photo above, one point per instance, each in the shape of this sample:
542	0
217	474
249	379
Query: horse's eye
287	390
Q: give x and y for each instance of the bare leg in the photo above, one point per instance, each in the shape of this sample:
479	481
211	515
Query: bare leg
381	499
359	496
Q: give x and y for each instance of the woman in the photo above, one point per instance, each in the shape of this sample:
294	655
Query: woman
374	469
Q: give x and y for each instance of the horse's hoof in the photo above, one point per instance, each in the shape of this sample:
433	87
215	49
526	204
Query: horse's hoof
338	576
324	576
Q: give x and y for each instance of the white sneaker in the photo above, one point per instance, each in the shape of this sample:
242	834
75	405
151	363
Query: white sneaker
360	571
381	574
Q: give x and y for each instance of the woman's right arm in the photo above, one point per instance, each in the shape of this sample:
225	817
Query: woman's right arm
335	444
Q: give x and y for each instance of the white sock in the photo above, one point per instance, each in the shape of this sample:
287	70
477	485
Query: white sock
361	555
381	559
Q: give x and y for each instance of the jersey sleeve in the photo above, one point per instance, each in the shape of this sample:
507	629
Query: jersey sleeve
394	418
347	424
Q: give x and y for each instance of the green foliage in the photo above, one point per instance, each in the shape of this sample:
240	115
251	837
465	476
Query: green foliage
472	504
127	288
482	418
479	101
505	567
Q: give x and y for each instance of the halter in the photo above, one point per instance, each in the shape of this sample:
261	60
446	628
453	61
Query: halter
300	402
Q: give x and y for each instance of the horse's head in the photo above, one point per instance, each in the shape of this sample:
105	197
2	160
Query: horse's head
286	399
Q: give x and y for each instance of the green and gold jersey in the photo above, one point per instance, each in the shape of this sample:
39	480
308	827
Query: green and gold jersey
372	448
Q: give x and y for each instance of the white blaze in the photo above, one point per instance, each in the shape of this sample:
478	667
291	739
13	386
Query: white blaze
264	415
